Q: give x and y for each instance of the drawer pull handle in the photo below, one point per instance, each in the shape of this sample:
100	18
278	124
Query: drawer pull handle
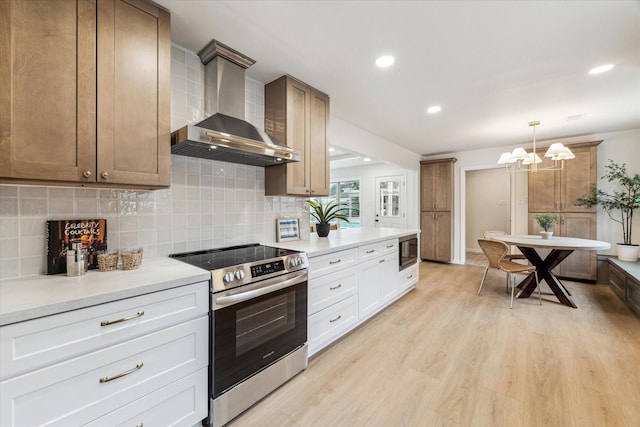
335	262
381	261
389	246
336	319
271	353
336	287
122	374
410	276
370	251
124	319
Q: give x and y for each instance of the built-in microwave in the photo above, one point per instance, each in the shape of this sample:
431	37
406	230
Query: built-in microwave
408	250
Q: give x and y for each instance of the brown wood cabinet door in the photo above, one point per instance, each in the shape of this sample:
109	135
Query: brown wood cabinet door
427	235
298	101
442	244
544	192
427	183
47	90
577	178
319	144
443	186
580	264
133	135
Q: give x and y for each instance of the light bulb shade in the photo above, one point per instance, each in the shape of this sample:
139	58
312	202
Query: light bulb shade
558	151
519	154
505	158
532	158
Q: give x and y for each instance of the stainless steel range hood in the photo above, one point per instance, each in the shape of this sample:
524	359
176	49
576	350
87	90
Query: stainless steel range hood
224	134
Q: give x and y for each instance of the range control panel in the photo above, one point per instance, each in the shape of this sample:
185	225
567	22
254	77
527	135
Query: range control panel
268	268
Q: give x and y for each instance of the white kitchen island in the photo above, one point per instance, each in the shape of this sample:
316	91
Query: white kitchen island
354	273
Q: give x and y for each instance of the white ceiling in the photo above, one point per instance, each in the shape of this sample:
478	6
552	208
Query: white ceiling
493	66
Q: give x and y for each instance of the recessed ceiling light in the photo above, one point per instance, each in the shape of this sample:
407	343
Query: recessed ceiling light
384	61
601	69
366	159
434	109
331	149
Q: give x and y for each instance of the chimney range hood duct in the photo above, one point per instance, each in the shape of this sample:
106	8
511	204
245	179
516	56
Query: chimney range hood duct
225	135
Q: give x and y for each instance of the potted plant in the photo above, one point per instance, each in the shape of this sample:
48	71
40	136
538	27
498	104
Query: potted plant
624	200
546	221
324	213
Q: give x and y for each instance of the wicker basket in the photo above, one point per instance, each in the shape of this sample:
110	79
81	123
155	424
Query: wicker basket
131	260
107	262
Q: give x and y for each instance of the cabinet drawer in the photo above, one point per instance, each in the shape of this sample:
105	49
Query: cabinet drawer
331	288
183	402
75	392
633	295
617	282
35	343
378	249
409	277
331	323
329	263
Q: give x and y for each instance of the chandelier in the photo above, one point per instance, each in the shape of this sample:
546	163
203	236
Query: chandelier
521	161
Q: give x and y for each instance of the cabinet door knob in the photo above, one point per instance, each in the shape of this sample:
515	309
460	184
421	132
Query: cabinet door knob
86	174
105	175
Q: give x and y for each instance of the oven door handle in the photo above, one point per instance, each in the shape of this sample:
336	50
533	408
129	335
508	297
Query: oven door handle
245	296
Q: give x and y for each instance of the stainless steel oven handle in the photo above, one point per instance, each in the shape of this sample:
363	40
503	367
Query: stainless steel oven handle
245	296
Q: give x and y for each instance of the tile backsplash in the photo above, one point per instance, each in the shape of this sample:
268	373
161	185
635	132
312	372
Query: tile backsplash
209	204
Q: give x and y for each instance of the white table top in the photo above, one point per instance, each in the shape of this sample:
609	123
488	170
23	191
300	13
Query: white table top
571	243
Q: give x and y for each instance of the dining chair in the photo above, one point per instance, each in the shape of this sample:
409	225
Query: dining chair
495	252
490	234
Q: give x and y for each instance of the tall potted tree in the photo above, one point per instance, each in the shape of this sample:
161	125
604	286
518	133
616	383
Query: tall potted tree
624	200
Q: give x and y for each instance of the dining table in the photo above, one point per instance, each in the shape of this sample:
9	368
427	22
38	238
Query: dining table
561	248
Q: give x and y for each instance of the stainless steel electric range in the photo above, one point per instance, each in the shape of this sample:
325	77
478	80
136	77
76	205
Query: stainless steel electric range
258	326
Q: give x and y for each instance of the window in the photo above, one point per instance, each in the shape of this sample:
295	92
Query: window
347	192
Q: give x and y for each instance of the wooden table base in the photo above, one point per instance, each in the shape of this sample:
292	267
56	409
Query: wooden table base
544	267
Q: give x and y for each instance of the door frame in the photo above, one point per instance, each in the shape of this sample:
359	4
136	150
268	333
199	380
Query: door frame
462	238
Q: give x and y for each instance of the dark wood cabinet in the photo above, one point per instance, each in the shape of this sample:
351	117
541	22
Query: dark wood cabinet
85	98
624	279
436	209
298	115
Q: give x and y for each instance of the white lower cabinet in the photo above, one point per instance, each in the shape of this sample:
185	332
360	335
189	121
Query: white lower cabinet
348	287
331	323
408	277
103	381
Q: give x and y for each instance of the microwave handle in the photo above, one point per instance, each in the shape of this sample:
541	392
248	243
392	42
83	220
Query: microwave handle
278	284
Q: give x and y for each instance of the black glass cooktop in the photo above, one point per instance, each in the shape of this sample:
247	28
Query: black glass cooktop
213	259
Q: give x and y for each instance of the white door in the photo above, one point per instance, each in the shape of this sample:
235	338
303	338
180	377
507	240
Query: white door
390	201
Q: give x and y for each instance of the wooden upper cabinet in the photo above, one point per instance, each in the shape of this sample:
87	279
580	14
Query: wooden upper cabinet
558	191
47	89
85	96
436	185
298	115
134	56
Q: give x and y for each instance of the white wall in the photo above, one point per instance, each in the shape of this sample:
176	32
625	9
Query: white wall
487	204
367	176
622	146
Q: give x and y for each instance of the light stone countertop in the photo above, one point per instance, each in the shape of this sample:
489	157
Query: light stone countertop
37	296
633	268
343	238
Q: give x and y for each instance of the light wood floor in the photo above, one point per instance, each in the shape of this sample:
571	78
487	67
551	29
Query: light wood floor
442	356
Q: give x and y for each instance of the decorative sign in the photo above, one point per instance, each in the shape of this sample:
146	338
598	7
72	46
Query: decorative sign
287	229
91	232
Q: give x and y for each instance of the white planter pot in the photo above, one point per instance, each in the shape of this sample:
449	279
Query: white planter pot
628	252
546	234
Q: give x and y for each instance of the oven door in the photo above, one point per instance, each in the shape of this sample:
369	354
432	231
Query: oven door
408	251
255	325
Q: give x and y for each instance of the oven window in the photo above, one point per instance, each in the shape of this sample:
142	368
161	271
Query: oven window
261	322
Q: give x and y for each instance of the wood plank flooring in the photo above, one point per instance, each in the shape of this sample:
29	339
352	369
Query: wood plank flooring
443	356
